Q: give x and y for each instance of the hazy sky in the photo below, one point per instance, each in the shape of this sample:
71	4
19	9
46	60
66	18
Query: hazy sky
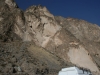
88	10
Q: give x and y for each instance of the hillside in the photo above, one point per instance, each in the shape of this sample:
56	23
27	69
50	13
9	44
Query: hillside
36	42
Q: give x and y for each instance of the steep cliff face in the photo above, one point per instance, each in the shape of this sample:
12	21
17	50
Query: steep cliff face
45	42
80	28
87	33
8	20
41	25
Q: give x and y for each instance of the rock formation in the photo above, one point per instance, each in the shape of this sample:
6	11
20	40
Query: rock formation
36	42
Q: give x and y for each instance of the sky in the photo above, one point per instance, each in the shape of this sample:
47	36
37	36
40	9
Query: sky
88	10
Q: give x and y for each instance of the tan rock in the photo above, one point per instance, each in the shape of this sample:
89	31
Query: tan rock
81	57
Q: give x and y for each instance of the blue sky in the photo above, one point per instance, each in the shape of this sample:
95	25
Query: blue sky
88	10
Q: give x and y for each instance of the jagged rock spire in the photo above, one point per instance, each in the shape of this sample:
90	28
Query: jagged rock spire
11	3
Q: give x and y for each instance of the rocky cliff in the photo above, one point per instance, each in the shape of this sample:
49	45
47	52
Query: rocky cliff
36	42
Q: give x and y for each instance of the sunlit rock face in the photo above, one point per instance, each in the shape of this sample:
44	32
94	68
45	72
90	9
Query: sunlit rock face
80	29
40	25
72	50
88	35
84	30
81	57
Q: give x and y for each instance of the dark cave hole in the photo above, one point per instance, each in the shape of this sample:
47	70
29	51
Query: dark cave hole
14	71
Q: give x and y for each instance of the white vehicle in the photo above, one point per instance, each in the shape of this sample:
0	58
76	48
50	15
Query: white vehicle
74	71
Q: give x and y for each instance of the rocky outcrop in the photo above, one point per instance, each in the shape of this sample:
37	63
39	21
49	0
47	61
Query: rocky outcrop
8	20
86	33
36	42
82	58
81	29
41	25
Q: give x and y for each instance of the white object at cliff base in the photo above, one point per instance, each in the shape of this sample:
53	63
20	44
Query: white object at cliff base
74	71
